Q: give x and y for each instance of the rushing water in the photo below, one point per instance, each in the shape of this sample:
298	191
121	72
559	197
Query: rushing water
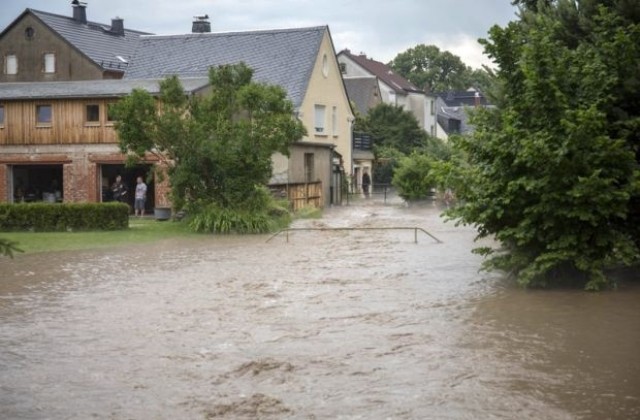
330	325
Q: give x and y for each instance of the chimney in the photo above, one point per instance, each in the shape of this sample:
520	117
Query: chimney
201	25
79	11
117	26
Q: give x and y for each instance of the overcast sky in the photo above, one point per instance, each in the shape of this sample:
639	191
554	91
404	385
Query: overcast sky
381	29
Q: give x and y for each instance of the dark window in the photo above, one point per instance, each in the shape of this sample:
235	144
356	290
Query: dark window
454	126
343	68
44	114
93	113
1	115
308	167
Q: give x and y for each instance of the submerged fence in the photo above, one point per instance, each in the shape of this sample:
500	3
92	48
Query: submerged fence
415	231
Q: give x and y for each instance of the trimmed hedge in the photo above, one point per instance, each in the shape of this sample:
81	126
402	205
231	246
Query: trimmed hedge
47	217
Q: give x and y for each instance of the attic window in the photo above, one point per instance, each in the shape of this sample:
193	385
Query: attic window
11	64
29	32
122	59
325	65
49	63
343	68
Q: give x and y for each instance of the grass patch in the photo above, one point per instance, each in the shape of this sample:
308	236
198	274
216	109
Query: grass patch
139	231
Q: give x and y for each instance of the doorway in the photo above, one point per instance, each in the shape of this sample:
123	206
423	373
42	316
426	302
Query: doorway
31	183
109	172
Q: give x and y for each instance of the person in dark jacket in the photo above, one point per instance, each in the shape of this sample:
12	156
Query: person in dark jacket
366	183
119	190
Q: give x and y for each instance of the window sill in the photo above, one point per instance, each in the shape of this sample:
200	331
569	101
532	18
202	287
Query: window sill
44	125
92	124
323	135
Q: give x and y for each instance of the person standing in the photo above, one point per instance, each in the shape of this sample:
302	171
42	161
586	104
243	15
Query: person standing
366	182
141	197
119	190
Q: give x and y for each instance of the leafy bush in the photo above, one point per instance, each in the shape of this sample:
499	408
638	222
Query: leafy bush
45	217
259	214
413	177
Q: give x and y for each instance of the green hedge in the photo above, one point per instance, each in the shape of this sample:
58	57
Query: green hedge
44	217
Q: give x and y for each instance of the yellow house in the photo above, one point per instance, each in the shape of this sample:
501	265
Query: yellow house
301	60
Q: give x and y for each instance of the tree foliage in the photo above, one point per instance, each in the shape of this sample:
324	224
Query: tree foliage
218	147
553	173
392	126
7	247
414	177
427	67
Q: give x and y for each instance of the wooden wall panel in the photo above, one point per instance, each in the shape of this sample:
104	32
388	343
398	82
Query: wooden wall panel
68	123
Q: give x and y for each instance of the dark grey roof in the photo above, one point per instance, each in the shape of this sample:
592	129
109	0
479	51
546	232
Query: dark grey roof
94	39
360	91
280	57
89	88
463	98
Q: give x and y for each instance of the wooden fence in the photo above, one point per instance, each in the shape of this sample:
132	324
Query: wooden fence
300	195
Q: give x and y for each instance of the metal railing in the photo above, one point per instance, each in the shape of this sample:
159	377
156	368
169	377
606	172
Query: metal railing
415	231
375	189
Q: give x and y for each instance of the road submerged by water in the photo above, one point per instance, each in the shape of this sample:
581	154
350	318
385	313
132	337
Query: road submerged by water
330	325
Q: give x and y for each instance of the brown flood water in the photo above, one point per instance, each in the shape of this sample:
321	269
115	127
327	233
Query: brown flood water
332	325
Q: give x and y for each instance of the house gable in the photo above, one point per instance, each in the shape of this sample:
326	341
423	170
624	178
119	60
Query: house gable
81	51
326	91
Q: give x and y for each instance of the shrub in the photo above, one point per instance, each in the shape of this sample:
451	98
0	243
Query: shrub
413	177
44	217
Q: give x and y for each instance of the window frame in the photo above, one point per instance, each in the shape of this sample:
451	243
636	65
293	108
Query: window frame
320	110
44	123
86	114
44	63
3	115
334	121
7	58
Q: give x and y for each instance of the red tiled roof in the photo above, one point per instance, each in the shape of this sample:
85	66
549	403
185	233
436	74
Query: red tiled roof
383	72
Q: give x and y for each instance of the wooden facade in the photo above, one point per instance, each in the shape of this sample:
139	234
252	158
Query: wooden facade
68	124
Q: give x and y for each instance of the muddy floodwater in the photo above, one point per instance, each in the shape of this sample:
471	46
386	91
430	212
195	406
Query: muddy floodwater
329	325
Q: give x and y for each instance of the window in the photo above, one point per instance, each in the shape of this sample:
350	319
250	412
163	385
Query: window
433	130
320	116
49	63
343	68
44	114
334	121
309	167
325	65
111	118
11	64
92	114
432	105
1	115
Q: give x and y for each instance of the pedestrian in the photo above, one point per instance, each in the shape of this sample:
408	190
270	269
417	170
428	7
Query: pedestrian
119	190
141	197
366	182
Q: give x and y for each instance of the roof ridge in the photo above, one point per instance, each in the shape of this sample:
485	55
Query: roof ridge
248	32
89	22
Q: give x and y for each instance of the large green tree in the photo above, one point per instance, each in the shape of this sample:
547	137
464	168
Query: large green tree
428	67
217	147
553	172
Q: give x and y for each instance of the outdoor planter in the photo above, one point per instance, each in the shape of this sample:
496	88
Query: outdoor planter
162	213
